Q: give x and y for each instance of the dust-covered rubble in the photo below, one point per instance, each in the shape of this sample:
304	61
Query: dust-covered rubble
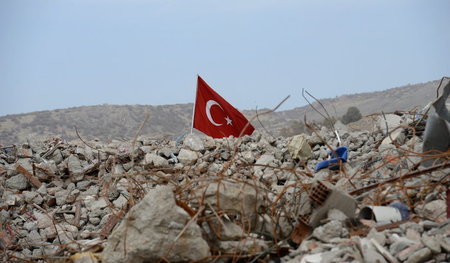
224	200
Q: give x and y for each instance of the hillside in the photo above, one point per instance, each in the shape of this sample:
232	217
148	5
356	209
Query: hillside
107	122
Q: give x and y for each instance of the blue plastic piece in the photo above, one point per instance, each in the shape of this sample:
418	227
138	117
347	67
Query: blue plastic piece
340	154
402	208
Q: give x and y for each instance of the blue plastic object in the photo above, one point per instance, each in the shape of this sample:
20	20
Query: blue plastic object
402	208
340	154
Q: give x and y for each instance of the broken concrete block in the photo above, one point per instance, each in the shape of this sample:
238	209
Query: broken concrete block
234	197
328	231
324	197
194	142
156	160
299	148
187	156
152	231
17	182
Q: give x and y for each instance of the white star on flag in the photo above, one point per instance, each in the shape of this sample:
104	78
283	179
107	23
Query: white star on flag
229	121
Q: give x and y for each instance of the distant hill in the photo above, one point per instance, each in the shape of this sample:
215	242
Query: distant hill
108	122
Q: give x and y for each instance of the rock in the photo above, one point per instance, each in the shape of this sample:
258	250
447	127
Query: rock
74	165
379	237
34	237
248	157
336	214
45	170
32	197
187	157
17	182
234	197
419	256
370	254
392	121
432	210
227	231
61	197
57	156
400	245
330	230
193	142
265	159
151	228
93	204
25	163
43	220
120	202
299	148
445	244
433	243
245	246
156	160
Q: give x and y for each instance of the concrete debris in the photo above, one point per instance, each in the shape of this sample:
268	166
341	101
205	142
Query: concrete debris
256	198
156	228
299	148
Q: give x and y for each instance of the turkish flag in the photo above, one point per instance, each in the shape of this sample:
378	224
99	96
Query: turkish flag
215	117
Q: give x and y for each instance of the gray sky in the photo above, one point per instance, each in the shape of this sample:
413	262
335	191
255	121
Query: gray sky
66	53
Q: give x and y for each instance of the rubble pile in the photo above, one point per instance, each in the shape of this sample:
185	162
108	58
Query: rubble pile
255	198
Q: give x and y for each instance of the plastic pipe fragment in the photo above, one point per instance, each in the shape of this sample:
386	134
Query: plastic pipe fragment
385	214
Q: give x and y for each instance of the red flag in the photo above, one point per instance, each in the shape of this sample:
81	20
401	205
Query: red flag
215	117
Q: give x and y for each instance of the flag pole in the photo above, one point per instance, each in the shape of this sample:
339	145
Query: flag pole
193	108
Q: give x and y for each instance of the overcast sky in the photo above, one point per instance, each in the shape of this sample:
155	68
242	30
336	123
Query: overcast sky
65	53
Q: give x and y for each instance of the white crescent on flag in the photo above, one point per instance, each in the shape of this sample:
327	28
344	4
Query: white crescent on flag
209	104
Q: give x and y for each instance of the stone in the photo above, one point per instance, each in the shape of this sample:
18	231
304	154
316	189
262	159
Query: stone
61	197
93	204
330	230
30	225
265	159
392	121
156	160
17	182
433	243
419	256
187	156
379	237
83	185
94	220
74	165
33	197
336	214
57	156
248	157
412	234
299	148
45	170
433	209
193	142
226	230
400	244
246	246
120	202
25	163
42	190
234	197
43	220
445	244
370	254
34	237
152	229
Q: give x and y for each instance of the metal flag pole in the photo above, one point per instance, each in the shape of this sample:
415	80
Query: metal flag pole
193	108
